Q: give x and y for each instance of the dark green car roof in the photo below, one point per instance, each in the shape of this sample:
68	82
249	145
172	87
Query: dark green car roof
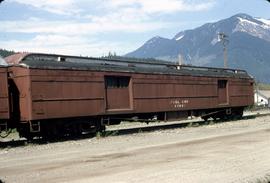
63	62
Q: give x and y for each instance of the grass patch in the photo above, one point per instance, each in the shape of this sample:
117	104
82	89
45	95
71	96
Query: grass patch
263	86
265	179
106	134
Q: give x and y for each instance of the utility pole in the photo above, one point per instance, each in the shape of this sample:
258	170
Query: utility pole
225	40
180	61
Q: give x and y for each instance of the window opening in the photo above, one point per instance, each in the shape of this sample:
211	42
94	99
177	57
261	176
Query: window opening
222	83
117	81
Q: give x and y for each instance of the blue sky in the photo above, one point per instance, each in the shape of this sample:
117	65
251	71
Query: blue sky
95	27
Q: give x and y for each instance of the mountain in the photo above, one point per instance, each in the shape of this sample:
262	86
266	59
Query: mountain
248	47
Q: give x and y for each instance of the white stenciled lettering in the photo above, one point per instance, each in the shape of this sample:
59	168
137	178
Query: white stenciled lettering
179	103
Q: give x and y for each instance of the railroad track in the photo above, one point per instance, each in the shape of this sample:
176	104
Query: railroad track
126	131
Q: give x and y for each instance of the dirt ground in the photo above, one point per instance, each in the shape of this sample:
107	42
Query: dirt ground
237	151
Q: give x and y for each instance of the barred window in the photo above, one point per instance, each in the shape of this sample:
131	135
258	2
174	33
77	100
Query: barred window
117	81
222	83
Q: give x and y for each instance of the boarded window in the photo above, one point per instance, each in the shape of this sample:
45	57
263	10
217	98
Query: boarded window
222	92
117	81
222	83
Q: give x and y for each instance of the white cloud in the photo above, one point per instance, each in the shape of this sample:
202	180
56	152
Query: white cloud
64	7
161	6
67	45
145	6
92	17
99	25
119	15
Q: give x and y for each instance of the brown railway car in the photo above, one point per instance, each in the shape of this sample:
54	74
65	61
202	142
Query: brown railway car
62	94
4	99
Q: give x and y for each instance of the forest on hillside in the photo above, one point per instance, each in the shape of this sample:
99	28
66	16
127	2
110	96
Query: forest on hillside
5	53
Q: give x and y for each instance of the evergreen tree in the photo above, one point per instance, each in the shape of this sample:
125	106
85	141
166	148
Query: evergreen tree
5	53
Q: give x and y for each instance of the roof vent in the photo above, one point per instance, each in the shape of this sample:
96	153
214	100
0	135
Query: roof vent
61	59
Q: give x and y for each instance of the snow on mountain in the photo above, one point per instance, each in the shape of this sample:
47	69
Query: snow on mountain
265	21
180	37
248	47
215	40
253	27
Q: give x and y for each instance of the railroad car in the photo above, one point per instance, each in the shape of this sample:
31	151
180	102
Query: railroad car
53	95
4	99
